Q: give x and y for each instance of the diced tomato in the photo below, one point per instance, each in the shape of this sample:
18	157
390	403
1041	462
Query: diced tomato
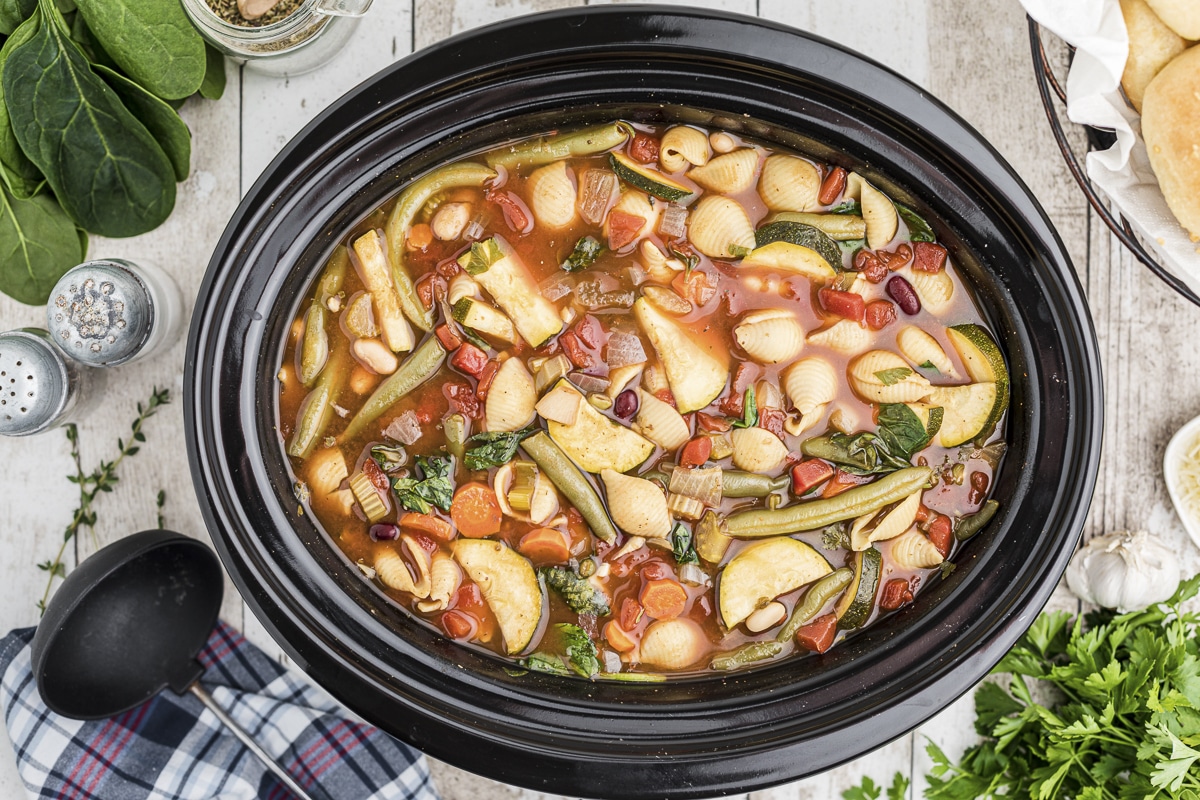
923	513
462	398
448	268
630	614
941	533
376	475
771	419
469	359
818	634
711	423
589	331
617	638
732	404
643	148
695	452
468	596
832	187
840	482
870	266
425	290
929	256
486	378
808	474
516	214
695	285
447	337
457	625
571	345
666	396
879	314
655	571
845	304
623	228
896	593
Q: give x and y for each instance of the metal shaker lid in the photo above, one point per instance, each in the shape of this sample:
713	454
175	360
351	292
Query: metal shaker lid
34	382
100	313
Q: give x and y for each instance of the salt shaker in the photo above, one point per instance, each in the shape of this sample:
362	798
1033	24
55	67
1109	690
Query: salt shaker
111	311
40	388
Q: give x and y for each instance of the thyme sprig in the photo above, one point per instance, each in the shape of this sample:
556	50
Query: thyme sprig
101	479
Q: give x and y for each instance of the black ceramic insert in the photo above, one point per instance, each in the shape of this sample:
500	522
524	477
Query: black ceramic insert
688	738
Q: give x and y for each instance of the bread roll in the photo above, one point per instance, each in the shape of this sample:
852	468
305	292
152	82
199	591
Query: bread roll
1151	46
1182	16
1171	128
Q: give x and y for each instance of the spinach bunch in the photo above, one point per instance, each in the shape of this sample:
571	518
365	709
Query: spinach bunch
90	140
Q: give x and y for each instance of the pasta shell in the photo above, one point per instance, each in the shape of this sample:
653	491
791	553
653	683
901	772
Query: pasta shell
682	147
392	570
757	450
913	550
639	204
552	195
719	228
770	336
922	349
809	383
659	266
729	173
934	289
660	423
462	285
881	376
844	336
798	425
844	419
444	579
877	209
637	505
511	398
673	644
890	525
789	184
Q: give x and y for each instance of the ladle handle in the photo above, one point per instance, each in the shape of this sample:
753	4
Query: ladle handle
246	739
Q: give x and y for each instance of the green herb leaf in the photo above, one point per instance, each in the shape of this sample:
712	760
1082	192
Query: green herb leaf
899	788
107	172
13	13
576	591
38	243
848	207
545	662
901	430
737	251
586	251
433	488
497	448
928	365
918	228
580	649
836	537
164	124
690	260
153	42
682	545
389	458
890	377
213	85
749	410
481	256
867	790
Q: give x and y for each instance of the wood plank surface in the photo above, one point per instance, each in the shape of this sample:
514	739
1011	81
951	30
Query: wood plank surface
974	57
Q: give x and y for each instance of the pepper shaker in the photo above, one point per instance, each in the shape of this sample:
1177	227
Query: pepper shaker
109	312
40	388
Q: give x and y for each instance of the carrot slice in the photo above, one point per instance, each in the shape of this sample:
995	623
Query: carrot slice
427	523
545	546
475	510
663	599
617	638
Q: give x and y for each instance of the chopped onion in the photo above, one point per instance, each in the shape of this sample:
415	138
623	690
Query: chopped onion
405	428
674	222
561	404
612	661
700	483
596	193
557	286
637	276
474	230
588	384
693	574
624	349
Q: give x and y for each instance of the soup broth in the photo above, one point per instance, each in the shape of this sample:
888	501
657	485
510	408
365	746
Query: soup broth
629	402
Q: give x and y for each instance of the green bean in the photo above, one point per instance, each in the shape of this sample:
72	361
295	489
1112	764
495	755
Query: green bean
455	427
317	408
411	201
632	677
735	483
967	527
814	600
314	347
332	276
419	367
826	448
551	148
815	514
840	227
747	654
563	473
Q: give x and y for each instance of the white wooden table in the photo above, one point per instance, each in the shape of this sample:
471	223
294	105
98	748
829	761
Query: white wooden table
973	56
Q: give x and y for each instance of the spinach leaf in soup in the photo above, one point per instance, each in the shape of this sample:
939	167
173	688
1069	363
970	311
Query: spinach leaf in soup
13	13
152	41
168	129
496	448
434	488
22	177
106	169
38	243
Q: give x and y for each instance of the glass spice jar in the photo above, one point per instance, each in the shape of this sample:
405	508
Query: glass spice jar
40	388
300	42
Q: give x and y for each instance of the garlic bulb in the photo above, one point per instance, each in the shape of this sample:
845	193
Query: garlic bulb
1123	570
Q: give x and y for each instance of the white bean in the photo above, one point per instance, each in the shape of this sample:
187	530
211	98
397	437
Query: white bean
448	223
375	356
766	617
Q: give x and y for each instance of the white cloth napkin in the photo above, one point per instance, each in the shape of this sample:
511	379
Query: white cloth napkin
1122	172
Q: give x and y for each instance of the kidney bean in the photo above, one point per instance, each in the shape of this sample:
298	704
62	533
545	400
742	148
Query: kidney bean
630	614
589	331
516	213
575	351
870	266
904	294
626	404
979	487
832	187
462	399
644	148
880	314
895	260
896	593
485	379
384	532
377	477
929	256
712	424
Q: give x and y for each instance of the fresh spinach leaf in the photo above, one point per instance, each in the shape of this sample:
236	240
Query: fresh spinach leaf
848	207
749	410
389	458
682	545
497	448
168	129
580	649
902	430
434	487
13	13
918	228
21	176
586	251
38	243
576	591
900	435
890	377
89	44
153	42
106	169
545	662
213	85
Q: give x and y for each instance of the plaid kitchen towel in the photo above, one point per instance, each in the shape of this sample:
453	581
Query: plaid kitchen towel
172	748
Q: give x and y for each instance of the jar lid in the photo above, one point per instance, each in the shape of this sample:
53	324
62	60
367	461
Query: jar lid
33	382
100	313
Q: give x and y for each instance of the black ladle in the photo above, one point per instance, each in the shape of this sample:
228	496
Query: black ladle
128	623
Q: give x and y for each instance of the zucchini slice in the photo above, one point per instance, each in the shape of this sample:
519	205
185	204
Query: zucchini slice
509	282
968	411
763	571
484	319
802	234
648	180
791	258
858	601
839	227
696	374
508	584
595	442
983	361
930	415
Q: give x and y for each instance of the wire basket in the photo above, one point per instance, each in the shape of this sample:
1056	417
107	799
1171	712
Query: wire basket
1049	87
